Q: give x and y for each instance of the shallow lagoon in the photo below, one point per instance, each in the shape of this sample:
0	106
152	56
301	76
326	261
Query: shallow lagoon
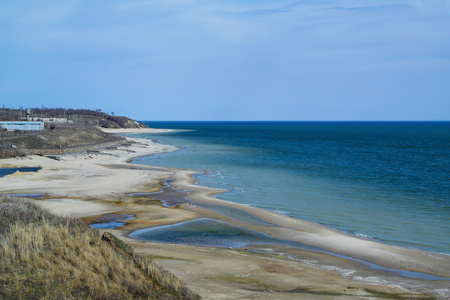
111	221
9	171
210	232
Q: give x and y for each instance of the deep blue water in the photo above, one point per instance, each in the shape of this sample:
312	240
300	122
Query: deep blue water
8	171
386	180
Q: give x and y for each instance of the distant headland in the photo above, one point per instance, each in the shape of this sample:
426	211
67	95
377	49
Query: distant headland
55	131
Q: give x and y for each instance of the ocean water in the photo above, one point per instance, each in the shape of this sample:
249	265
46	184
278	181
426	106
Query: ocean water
388	181
9	171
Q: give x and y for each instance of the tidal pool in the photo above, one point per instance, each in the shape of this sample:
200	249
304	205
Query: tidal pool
32	196
168	195
111	221
208	232
8	171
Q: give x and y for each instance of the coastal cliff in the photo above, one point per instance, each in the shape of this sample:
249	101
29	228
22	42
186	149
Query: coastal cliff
66	131
57	141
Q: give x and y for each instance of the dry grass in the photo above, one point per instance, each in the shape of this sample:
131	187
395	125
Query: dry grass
15	211
47	257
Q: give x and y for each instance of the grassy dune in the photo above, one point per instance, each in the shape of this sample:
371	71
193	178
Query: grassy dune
48	257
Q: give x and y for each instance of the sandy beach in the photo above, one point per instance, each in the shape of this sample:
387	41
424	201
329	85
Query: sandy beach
89	185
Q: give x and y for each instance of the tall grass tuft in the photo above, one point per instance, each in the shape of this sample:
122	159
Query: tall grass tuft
48	257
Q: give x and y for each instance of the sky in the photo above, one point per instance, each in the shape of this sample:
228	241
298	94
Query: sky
229	60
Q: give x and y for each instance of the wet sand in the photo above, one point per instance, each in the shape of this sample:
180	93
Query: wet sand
89	185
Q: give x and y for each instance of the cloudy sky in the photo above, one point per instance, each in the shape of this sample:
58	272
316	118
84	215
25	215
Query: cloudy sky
229	60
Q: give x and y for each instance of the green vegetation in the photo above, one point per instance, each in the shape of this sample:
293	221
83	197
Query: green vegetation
44	256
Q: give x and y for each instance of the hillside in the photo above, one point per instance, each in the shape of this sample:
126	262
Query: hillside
66	131
75	116
60	140
49	257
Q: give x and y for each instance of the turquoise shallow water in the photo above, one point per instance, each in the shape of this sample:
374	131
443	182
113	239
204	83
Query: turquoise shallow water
388	181
209	232
205	232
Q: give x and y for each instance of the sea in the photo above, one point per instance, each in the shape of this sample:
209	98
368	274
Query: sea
386	181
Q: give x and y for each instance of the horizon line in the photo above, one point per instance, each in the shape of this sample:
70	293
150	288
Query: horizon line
379	121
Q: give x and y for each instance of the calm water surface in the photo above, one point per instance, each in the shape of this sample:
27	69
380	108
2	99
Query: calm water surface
383	180
8	171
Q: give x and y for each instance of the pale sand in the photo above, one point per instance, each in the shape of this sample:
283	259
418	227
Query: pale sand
93	184
77	208
87	174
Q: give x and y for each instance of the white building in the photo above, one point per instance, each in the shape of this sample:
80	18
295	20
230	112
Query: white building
50	120
24	126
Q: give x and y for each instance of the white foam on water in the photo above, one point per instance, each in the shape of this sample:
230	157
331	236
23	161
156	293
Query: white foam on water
364	236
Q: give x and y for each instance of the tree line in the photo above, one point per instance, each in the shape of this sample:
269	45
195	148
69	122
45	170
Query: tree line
12	114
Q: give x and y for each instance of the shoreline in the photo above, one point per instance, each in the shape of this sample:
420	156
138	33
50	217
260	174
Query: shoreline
323	237
98	183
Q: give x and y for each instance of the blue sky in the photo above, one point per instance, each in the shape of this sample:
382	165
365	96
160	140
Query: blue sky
229	60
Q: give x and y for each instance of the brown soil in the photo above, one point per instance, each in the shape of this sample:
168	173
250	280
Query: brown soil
60	140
